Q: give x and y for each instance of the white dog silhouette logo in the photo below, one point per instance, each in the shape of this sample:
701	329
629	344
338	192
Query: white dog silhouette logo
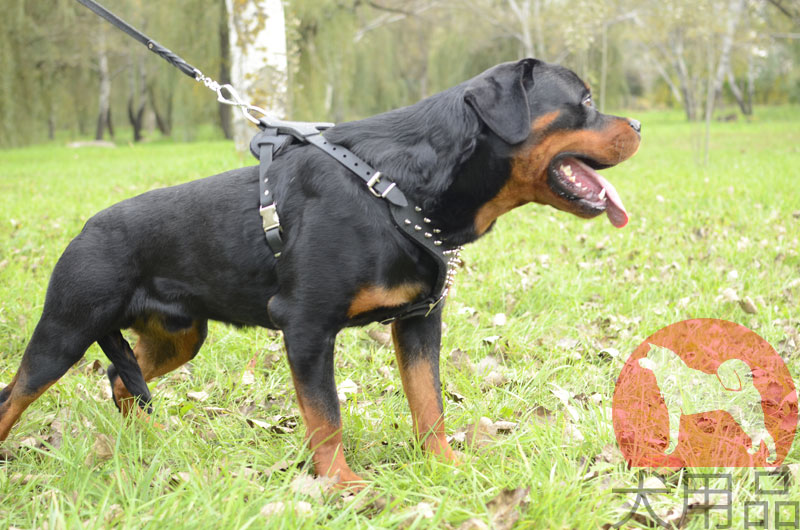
688	391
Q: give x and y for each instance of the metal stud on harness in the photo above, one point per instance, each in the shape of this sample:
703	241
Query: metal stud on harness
276	134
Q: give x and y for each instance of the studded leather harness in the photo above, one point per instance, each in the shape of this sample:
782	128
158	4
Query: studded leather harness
408	218
275	134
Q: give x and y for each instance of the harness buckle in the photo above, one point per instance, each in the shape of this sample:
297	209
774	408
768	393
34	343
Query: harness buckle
372	182
433	305
269	217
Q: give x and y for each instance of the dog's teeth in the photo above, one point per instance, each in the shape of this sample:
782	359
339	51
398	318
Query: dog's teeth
567	170
602	194
572	178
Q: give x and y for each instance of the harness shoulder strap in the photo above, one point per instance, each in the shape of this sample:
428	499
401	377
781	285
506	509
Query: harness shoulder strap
409	219
264	146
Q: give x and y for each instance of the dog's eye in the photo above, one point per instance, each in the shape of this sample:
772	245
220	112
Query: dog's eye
588	101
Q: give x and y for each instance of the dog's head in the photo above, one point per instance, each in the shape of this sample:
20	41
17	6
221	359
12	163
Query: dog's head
559	138
658	358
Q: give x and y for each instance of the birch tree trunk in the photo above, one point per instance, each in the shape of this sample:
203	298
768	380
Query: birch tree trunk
735	9
259	69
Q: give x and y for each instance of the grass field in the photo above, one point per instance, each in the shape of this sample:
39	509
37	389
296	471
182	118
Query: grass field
573	292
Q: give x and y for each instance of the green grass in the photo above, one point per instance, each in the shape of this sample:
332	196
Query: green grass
570	288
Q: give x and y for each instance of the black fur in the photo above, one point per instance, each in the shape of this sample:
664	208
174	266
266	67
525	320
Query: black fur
197	251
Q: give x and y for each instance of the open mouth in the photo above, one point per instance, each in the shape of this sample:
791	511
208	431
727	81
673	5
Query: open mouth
577	181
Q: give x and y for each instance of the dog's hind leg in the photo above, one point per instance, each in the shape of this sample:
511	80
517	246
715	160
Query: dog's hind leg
164	344
53	349
125	368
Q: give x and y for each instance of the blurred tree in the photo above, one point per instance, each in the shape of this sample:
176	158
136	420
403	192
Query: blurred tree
259	68
352	58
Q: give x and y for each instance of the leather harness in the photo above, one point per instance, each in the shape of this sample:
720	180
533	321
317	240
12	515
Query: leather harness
408	218
275	134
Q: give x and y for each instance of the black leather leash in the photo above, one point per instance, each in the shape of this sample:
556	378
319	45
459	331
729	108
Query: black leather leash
276	134
152	45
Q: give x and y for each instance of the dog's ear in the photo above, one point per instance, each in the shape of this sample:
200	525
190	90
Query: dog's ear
499	98
647	364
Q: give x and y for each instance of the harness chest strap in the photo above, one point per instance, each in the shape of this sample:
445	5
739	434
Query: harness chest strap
409	220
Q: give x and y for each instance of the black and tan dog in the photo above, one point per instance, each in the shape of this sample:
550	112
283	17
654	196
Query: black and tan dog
165	262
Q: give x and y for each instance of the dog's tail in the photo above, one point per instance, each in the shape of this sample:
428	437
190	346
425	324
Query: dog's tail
734	375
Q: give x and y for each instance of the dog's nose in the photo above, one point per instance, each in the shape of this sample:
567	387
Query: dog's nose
635	125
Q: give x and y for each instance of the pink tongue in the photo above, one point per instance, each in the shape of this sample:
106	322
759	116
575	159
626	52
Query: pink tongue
614	209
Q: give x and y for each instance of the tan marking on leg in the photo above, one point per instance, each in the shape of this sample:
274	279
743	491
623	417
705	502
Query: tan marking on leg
158	352
15	405
375	297
325	441
423	400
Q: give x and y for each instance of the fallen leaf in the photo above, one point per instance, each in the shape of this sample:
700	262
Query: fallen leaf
112	513
56	436
425	509
481	433
730	295
301	508
568	344
29	441
368	506
544	414
21	479
381	337
279	424
564	397
460	360
280	466
466	310
181	477
216	411
452	395
503	509
499	319
473	524
202	395
608	353
102	450
573	432
748	306
314	487
248	378
94	367
348	386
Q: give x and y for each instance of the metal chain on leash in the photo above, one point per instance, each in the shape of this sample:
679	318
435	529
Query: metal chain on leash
232	98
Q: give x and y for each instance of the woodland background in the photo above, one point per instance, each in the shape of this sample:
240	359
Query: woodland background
352	58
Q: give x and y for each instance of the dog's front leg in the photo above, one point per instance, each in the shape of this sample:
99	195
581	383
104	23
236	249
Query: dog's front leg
310	353
417	341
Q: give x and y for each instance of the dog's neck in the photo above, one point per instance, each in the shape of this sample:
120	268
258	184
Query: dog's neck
438	153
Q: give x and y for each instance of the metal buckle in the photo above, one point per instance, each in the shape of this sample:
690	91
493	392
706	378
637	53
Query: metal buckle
376	178
269	217
433	305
